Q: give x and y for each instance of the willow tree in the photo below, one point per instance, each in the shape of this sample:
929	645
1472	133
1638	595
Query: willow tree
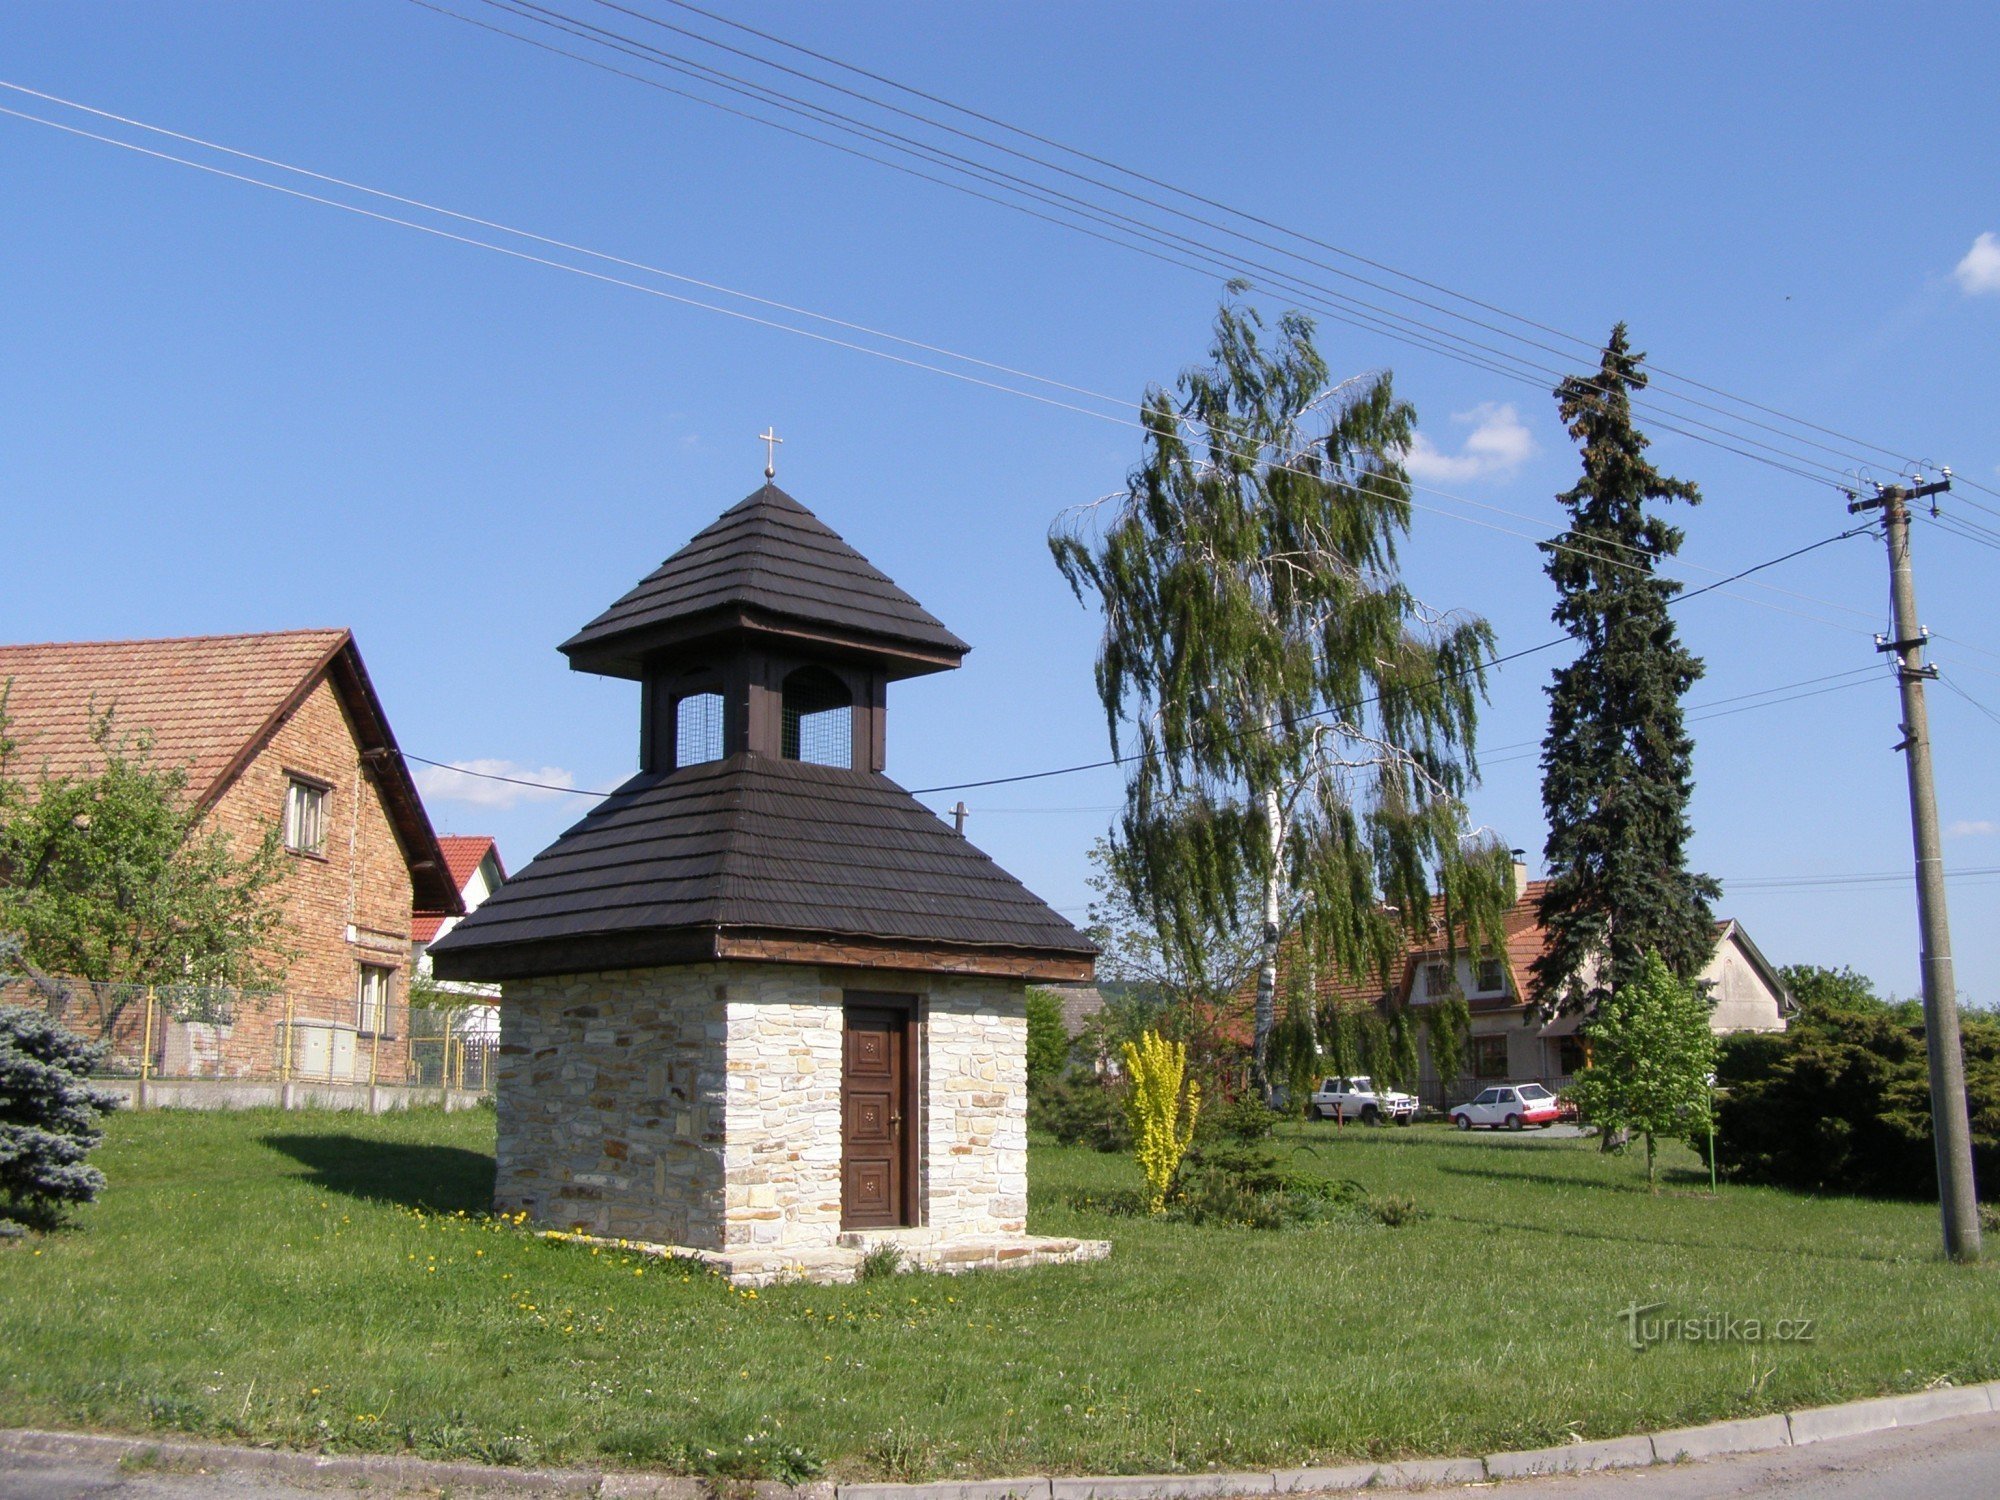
1299	725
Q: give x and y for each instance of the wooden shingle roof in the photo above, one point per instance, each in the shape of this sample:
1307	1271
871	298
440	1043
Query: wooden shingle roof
767	565
759	858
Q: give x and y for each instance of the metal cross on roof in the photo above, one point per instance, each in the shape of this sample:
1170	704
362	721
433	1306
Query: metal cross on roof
770	439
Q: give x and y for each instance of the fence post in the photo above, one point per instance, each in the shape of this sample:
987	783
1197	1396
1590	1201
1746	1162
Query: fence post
145	1052
285	1059
375	1053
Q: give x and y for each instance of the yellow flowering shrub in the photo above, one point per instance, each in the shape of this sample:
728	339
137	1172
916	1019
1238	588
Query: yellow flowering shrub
1162	1120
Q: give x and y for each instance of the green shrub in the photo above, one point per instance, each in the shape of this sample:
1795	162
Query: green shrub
1082	1111
1244	1118
1840	1102
1048	1040
880	1263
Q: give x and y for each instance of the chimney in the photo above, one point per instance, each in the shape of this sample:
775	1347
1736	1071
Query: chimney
1520	872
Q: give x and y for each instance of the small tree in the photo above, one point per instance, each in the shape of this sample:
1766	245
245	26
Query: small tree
114	879
1651	1058
49	1113
1162	1119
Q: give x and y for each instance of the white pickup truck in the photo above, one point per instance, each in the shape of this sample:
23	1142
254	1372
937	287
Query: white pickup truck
1358	1099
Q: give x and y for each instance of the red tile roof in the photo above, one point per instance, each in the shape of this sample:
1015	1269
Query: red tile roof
202	698
209	703
462	854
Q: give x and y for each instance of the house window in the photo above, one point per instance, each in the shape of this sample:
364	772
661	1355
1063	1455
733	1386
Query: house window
1489	1057
1437	980
371	1008
697	729
1490	977
305	816
818	719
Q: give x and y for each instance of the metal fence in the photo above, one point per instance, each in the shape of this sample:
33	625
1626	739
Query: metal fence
188	1032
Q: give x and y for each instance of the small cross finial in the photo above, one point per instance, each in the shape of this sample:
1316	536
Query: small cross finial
770	439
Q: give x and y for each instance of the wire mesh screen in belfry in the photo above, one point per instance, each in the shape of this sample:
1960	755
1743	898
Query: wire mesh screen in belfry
698	729
819	719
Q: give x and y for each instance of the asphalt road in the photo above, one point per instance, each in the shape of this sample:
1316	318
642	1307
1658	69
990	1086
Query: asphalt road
1956	1460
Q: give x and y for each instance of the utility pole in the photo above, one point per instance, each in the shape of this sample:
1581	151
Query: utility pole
1951	1133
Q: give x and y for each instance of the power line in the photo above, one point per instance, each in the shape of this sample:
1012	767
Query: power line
516	6
952	161
845	325
1586	344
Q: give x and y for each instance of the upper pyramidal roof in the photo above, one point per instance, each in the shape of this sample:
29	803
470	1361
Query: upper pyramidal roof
770	567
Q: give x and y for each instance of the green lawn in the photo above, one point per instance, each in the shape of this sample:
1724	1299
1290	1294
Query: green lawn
331	1280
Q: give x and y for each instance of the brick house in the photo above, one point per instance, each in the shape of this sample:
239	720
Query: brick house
279	730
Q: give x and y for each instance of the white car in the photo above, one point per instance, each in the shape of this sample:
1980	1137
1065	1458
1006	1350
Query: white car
1359	1099
1510	1106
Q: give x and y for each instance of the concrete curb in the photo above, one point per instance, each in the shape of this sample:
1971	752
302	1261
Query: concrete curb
394	1470
1745	1435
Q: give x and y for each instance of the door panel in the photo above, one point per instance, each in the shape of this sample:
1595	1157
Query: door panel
874	1082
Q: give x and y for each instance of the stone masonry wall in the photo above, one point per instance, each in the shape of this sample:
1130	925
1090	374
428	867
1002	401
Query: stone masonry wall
782	1156
700	1105
610	1097
975	1106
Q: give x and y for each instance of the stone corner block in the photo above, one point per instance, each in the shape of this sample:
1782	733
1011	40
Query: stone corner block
1945	1402
1419	1473
1162	1486
1818	1423
1746	1435
1345	1477
1572	1458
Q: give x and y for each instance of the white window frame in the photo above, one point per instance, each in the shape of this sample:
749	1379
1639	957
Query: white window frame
1435	971
1499	984
305	814
372	1010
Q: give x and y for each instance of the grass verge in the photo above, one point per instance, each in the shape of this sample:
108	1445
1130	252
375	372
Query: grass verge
333	1281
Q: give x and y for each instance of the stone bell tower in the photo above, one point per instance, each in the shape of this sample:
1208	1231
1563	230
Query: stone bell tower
761	1005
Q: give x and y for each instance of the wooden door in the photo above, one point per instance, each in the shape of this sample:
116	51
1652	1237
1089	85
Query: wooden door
877	1124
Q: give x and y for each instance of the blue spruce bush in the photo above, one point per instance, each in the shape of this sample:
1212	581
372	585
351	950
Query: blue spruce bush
49	1117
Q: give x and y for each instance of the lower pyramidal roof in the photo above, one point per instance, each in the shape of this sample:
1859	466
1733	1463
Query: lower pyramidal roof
758	858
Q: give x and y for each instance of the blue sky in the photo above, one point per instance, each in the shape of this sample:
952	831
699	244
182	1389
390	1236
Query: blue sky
230	410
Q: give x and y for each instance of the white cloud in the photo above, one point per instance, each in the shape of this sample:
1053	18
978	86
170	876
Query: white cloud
471	782
1980	270
1975	828
1498	444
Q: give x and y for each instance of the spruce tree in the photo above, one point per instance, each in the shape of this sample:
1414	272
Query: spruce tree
1616	764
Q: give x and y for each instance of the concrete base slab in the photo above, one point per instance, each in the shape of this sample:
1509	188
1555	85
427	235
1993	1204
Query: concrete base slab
841	1262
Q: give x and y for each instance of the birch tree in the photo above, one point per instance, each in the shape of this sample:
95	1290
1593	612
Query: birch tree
1300	724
